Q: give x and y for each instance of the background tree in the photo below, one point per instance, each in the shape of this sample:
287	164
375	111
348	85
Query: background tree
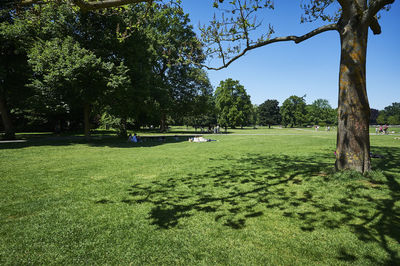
293	111
390	115
269	113
66	71
175	52
381	119
351	19
320	112
374	116
393	120
14	69
254	116
200	111
152	56
232	103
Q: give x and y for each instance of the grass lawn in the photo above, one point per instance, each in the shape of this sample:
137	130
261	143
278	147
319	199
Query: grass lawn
270	198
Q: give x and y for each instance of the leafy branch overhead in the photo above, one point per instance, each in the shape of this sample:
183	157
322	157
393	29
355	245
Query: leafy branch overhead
91	4
232	34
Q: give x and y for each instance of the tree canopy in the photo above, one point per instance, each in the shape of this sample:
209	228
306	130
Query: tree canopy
293	111
269	113
139	68
320	112
233	104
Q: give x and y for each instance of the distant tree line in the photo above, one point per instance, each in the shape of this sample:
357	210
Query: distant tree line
233	108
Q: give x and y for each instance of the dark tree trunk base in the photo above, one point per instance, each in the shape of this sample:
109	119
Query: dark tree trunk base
5	116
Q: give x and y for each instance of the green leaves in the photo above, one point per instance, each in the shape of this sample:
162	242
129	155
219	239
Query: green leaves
268	113
233	104
293	111
64	68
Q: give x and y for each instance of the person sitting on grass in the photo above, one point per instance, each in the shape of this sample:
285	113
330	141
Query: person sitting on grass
135	138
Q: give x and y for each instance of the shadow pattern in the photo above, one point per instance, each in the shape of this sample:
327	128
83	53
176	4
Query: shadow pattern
94	141
247	187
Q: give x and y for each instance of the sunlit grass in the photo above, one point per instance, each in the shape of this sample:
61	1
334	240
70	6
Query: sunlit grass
243	199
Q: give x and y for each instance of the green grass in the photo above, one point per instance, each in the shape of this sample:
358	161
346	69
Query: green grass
242	200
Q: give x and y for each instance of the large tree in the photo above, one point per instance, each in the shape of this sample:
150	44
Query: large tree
233	104
14	70
320	112
293	111
351	19
269	113
70	73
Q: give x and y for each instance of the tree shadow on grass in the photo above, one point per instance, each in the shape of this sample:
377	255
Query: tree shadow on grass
96	141
235	193
236	190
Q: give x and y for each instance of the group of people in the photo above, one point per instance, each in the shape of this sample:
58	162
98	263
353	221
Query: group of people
327	128
379	129
209	129
134	138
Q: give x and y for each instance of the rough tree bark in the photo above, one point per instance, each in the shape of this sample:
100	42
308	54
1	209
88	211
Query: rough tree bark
5	116
353	145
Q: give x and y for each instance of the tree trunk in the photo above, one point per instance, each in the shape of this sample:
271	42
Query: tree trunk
163	123
5	116
122	128
353	146
86	120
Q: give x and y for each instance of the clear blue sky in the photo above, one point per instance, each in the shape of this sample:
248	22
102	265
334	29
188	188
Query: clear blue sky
280	70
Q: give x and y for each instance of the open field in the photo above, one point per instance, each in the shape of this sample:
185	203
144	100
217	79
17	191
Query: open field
267	197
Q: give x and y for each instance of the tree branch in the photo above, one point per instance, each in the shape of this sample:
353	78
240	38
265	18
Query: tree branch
345	4
296	39
91	5
374	8
374	26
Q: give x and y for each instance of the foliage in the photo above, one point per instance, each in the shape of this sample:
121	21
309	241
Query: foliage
137	65
381	119
66	72
321	113
269	113
293	111
14	70
232	103
390	114
393	120
374	116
